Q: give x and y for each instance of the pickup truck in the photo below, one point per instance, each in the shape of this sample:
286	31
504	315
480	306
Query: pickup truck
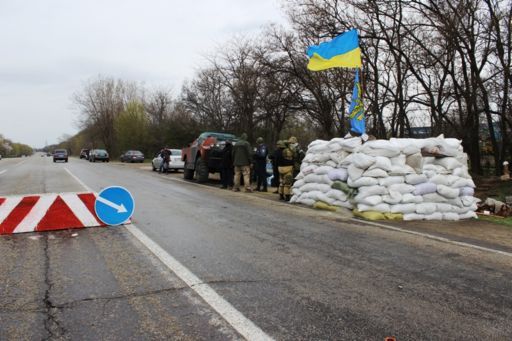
204	155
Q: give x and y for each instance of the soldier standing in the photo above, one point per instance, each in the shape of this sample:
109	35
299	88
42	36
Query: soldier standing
298	155
285	167
242	163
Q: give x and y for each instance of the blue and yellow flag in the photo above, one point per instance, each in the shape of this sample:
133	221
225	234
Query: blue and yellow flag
342	51
356	110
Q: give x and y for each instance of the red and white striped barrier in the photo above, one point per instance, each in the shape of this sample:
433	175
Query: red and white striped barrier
47	212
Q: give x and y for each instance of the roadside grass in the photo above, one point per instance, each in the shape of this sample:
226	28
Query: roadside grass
507	222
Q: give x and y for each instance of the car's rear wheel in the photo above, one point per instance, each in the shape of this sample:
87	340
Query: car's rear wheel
188	174
201	170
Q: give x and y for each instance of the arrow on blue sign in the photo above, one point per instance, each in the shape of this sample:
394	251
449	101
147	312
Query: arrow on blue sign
114	205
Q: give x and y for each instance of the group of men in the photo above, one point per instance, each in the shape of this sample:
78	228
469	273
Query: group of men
239	159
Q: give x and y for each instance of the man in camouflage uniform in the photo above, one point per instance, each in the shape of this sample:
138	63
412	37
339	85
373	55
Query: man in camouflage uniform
298	155
285	165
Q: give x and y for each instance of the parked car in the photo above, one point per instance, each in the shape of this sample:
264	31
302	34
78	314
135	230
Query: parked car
84	154
132	156
98	155
60	154
175	164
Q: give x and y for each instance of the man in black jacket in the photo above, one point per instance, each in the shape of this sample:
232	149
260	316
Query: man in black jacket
260	164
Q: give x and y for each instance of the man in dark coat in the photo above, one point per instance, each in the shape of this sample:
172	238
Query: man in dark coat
226	173
260	165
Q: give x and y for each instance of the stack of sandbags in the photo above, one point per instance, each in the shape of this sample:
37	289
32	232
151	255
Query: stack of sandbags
322	179
410	178
395	176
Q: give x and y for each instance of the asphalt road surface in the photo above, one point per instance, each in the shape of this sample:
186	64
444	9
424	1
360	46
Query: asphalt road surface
209	264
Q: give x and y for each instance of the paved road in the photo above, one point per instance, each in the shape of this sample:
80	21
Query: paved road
295	273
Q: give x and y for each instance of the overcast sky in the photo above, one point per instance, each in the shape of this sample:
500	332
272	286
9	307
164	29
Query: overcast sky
51	48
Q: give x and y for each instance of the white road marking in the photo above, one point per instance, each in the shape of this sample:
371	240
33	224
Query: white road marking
2	172
236	319
79	209
433	237
9	204
29	223
78	180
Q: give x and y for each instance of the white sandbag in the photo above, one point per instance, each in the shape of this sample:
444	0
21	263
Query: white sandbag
337	195
378	208
338	157
382	163
331	164
362	161
372	200
354	172
293	199
317	143
414	179
403	208
409	198
309	169
321	158
296	191
457	202
435	197
411	149
391	180
445	179
462	182
313	186
310	195
376	173
466	191
299	183
425	188
468	201
447	150
367	191
299	176
450	216
392	152
402	188
445	207
347	161
453	142
392	198
449	163
344	204
448	192
323	170
413	216
429	173
463	159
434	216
308	158
319	179
426	208
334	146
351	144
398	160
462	172
338	174
363	181
468	215
323	197
306	201
401	170
319	148
436	168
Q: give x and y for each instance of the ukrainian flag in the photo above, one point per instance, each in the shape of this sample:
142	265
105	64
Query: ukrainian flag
356	110
342	51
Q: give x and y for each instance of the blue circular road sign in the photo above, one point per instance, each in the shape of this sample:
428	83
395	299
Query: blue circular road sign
114	205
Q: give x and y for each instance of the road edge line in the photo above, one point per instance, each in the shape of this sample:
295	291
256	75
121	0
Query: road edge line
245	327
433	237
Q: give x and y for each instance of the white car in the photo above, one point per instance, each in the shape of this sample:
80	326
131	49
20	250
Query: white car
174	165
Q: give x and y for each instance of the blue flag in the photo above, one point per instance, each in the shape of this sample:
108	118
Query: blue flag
356	110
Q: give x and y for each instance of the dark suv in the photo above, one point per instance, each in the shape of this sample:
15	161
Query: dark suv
84	154
98	155
60	154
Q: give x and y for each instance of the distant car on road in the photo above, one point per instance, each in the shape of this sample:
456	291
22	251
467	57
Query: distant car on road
84	154
175	164
98	155
132	156
60	154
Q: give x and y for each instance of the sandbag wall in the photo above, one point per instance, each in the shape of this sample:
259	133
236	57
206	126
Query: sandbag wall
413	179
